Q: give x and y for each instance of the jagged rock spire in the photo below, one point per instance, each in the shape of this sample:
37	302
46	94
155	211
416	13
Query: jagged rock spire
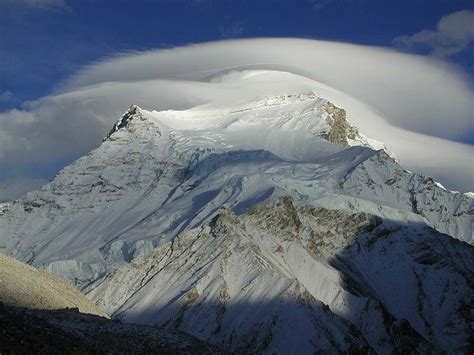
124	120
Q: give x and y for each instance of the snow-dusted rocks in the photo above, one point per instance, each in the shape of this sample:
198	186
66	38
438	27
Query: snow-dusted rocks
281	278
172	198
384	181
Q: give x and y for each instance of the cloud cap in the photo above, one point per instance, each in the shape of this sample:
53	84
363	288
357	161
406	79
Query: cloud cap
416	105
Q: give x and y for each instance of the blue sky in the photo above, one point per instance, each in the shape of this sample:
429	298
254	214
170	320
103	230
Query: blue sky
44	41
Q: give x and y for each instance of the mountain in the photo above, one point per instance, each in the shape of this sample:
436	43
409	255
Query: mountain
266	225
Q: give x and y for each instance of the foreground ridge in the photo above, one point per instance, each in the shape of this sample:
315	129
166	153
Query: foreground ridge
68	331
24	286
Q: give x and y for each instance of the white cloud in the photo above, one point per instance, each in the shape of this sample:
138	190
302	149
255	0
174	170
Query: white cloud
453	34
414	92
426	103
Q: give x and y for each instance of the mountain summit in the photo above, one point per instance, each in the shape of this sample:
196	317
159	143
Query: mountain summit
268	225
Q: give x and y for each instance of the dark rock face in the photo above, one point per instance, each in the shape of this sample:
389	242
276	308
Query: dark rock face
68	331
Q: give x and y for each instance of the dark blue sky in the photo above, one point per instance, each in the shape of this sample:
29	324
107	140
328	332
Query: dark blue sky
42	42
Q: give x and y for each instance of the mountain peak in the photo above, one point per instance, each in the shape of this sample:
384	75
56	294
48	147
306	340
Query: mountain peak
300	127
123	122
293	126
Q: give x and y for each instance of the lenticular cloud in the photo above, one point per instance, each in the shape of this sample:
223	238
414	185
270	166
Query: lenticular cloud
420	108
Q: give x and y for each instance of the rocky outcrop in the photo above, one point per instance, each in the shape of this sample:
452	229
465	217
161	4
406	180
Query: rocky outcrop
340	129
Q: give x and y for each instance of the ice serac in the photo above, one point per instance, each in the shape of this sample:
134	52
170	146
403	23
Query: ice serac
175	198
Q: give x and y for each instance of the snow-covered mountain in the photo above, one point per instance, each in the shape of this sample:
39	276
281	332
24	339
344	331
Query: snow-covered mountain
303	279
263	225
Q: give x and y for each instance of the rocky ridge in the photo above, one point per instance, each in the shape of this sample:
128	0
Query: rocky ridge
315	275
